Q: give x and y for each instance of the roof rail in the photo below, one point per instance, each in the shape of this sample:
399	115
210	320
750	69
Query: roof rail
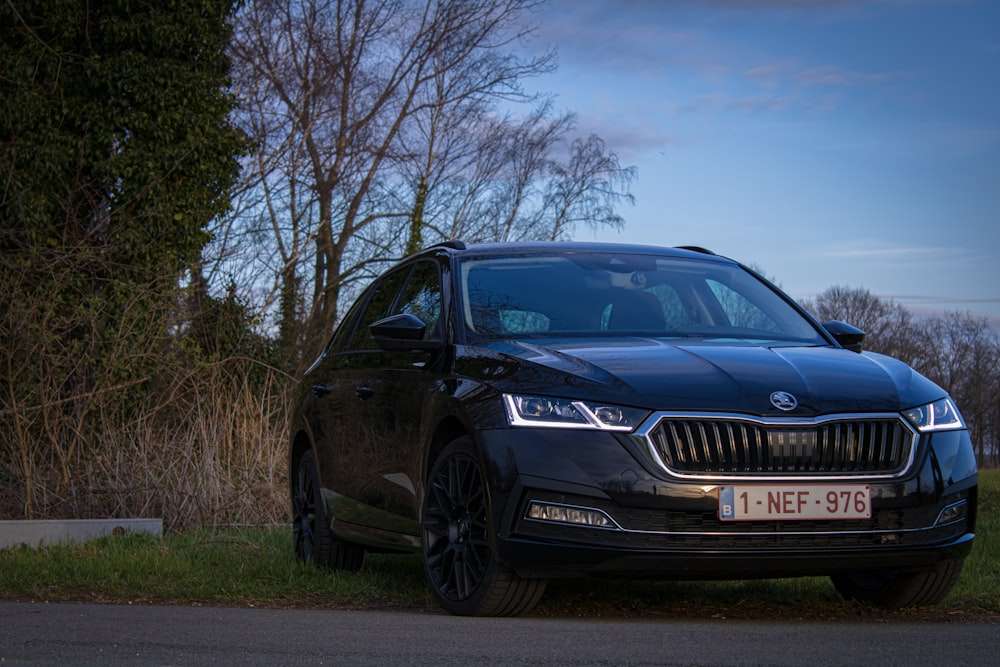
454	244
695	248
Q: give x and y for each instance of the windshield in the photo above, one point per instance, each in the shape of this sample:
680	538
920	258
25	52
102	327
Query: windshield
616	294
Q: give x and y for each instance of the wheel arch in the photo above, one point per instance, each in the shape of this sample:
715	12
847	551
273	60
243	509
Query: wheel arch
301	443
449	429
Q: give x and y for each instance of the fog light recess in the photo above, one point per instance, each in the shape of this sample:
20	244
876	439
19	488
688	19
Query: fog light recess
952	513
577	516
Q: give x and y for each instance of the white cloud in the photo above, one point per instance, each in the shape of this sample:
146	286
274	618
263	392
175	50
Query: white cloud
880	250
831	75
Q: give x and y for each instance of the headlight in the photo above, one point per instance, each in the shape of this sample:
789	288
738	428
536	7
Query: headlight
565	413
937	416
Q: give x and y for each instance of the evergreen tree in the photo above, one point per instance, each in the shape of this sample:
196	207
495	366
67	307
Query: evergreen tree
116	150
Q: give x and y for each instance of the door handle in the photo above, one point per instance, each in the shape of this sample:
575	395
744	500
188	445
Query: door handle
320	390
364	393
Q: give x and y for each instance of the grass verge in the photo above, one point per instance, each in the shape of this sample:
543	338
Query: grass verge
255	568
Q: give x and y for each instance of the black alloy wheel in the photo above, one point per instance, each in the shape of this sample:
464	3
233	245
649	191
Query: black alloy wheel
312	536
459	562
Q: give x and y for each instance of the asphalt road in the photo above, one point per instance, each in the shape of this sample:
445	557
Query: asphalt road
86	634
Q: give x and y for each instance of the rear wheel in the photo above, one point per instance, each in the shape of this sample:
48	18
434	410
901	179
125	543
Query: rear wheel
891	589
311	533
460	565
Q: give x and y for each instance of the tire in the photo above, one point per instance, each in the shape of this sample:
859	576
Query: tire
891	590
312	536
460	563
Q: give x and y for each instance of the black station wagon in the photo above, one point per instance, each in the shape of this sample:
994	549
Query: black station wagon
519	412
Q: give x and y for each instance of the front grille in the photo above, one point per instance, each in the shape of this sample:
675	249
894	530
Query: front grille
698	445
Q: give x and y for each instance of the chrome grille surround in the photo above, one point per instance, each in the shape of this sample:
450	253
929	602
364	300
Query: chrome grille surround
718	446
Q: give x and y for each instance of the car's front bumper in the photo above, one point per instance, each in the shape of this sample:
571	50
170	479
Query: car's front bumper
668	527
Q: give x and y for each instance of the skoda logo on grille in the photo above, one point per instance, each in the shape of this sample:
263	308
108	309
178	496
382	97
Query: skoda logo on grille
783	401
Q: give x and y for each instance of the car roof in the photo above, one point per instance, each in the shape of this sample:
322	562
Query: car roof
460	249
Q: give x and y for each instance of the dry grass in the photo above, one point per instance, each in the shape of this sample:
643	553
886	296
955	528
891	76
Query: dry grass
214	456
206	449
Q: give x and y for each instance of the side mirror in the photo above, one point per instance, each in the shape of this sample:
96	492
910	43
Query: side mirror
401	333
849	337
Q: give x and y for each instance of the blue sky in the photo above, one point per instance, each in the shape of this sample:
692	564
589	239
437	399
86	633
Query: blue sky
828	142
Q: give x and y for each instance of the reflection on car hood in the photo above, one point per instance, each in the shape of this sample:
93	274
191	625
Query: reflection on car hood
712	375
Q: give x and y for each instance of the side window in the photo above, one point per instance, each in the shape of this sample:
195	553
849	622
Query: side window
377	308
742	313
422	297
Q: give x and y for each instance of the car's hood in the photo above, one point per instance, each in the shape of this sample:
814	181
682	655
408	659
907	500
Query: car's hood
710	375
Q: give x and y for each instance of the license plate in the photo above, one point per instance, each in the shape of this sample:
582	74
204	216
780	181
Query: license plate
787	502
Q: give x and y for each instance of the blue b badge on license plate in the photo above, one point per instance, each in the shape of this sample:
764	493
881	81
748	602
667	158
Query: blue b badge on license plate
726	511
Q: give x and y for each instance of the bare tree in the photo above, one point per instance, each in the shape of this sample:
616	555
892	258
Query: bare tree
961	353
586	190
330	86
958	351
889	327
380	129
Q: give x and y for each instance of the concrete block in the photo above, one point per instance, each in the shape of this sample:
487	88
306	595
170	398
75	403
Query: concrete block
42	532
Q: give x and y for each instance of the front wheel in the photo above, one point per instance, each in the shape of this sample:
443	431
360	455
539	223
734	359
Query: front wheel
892	590
460	565
312	536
